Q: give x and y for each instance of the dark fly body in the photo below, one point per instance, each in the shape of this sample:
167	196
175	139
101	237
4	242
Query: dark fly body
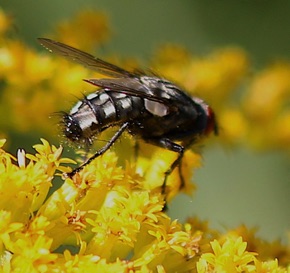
149	107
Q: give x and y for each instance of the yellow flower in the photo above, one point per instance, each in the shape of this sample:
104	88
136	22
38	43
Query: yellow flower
268	93
234	127
216	76
36	83
110	219
26	186
5	22
106	210
32	255
91	26
230	256
269	266
266	104
281	131
7	228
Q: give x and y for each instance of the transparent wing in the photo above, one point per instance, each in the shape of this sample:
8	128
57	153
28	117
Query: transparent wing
123	81
129	86
85	59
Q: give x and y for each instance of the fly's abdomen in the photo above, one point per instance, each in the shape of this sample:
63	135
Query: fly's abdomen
99	111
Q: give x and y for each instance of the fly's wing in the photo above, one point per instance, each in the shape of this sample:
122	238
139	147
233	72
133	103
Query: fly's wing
85	59
123	81
129	86
165	93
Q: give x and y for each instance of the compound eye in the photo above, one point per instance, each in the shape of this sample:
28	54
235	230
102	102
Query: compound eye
72	129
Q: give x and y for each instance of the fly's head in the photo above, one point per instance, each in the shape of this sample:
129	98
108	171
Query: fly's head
210	122
212	125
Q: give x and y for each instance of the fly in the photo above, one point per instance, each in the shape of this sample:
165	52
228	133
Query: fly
153	108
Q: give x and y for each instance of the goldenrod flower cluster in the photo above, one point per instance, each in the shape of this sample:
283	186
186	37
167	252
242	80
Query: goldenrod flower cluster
32	82
106	213
110	216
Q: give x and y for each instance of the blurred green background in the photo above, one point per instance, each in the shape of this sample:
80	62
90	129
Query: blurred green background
258	184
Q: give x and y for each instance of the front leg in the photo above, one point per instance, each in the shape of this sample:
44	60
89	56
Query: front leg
101	151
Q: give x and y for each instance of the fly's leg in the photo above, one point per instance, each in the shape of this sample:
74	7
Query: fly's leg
101	151
174	147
